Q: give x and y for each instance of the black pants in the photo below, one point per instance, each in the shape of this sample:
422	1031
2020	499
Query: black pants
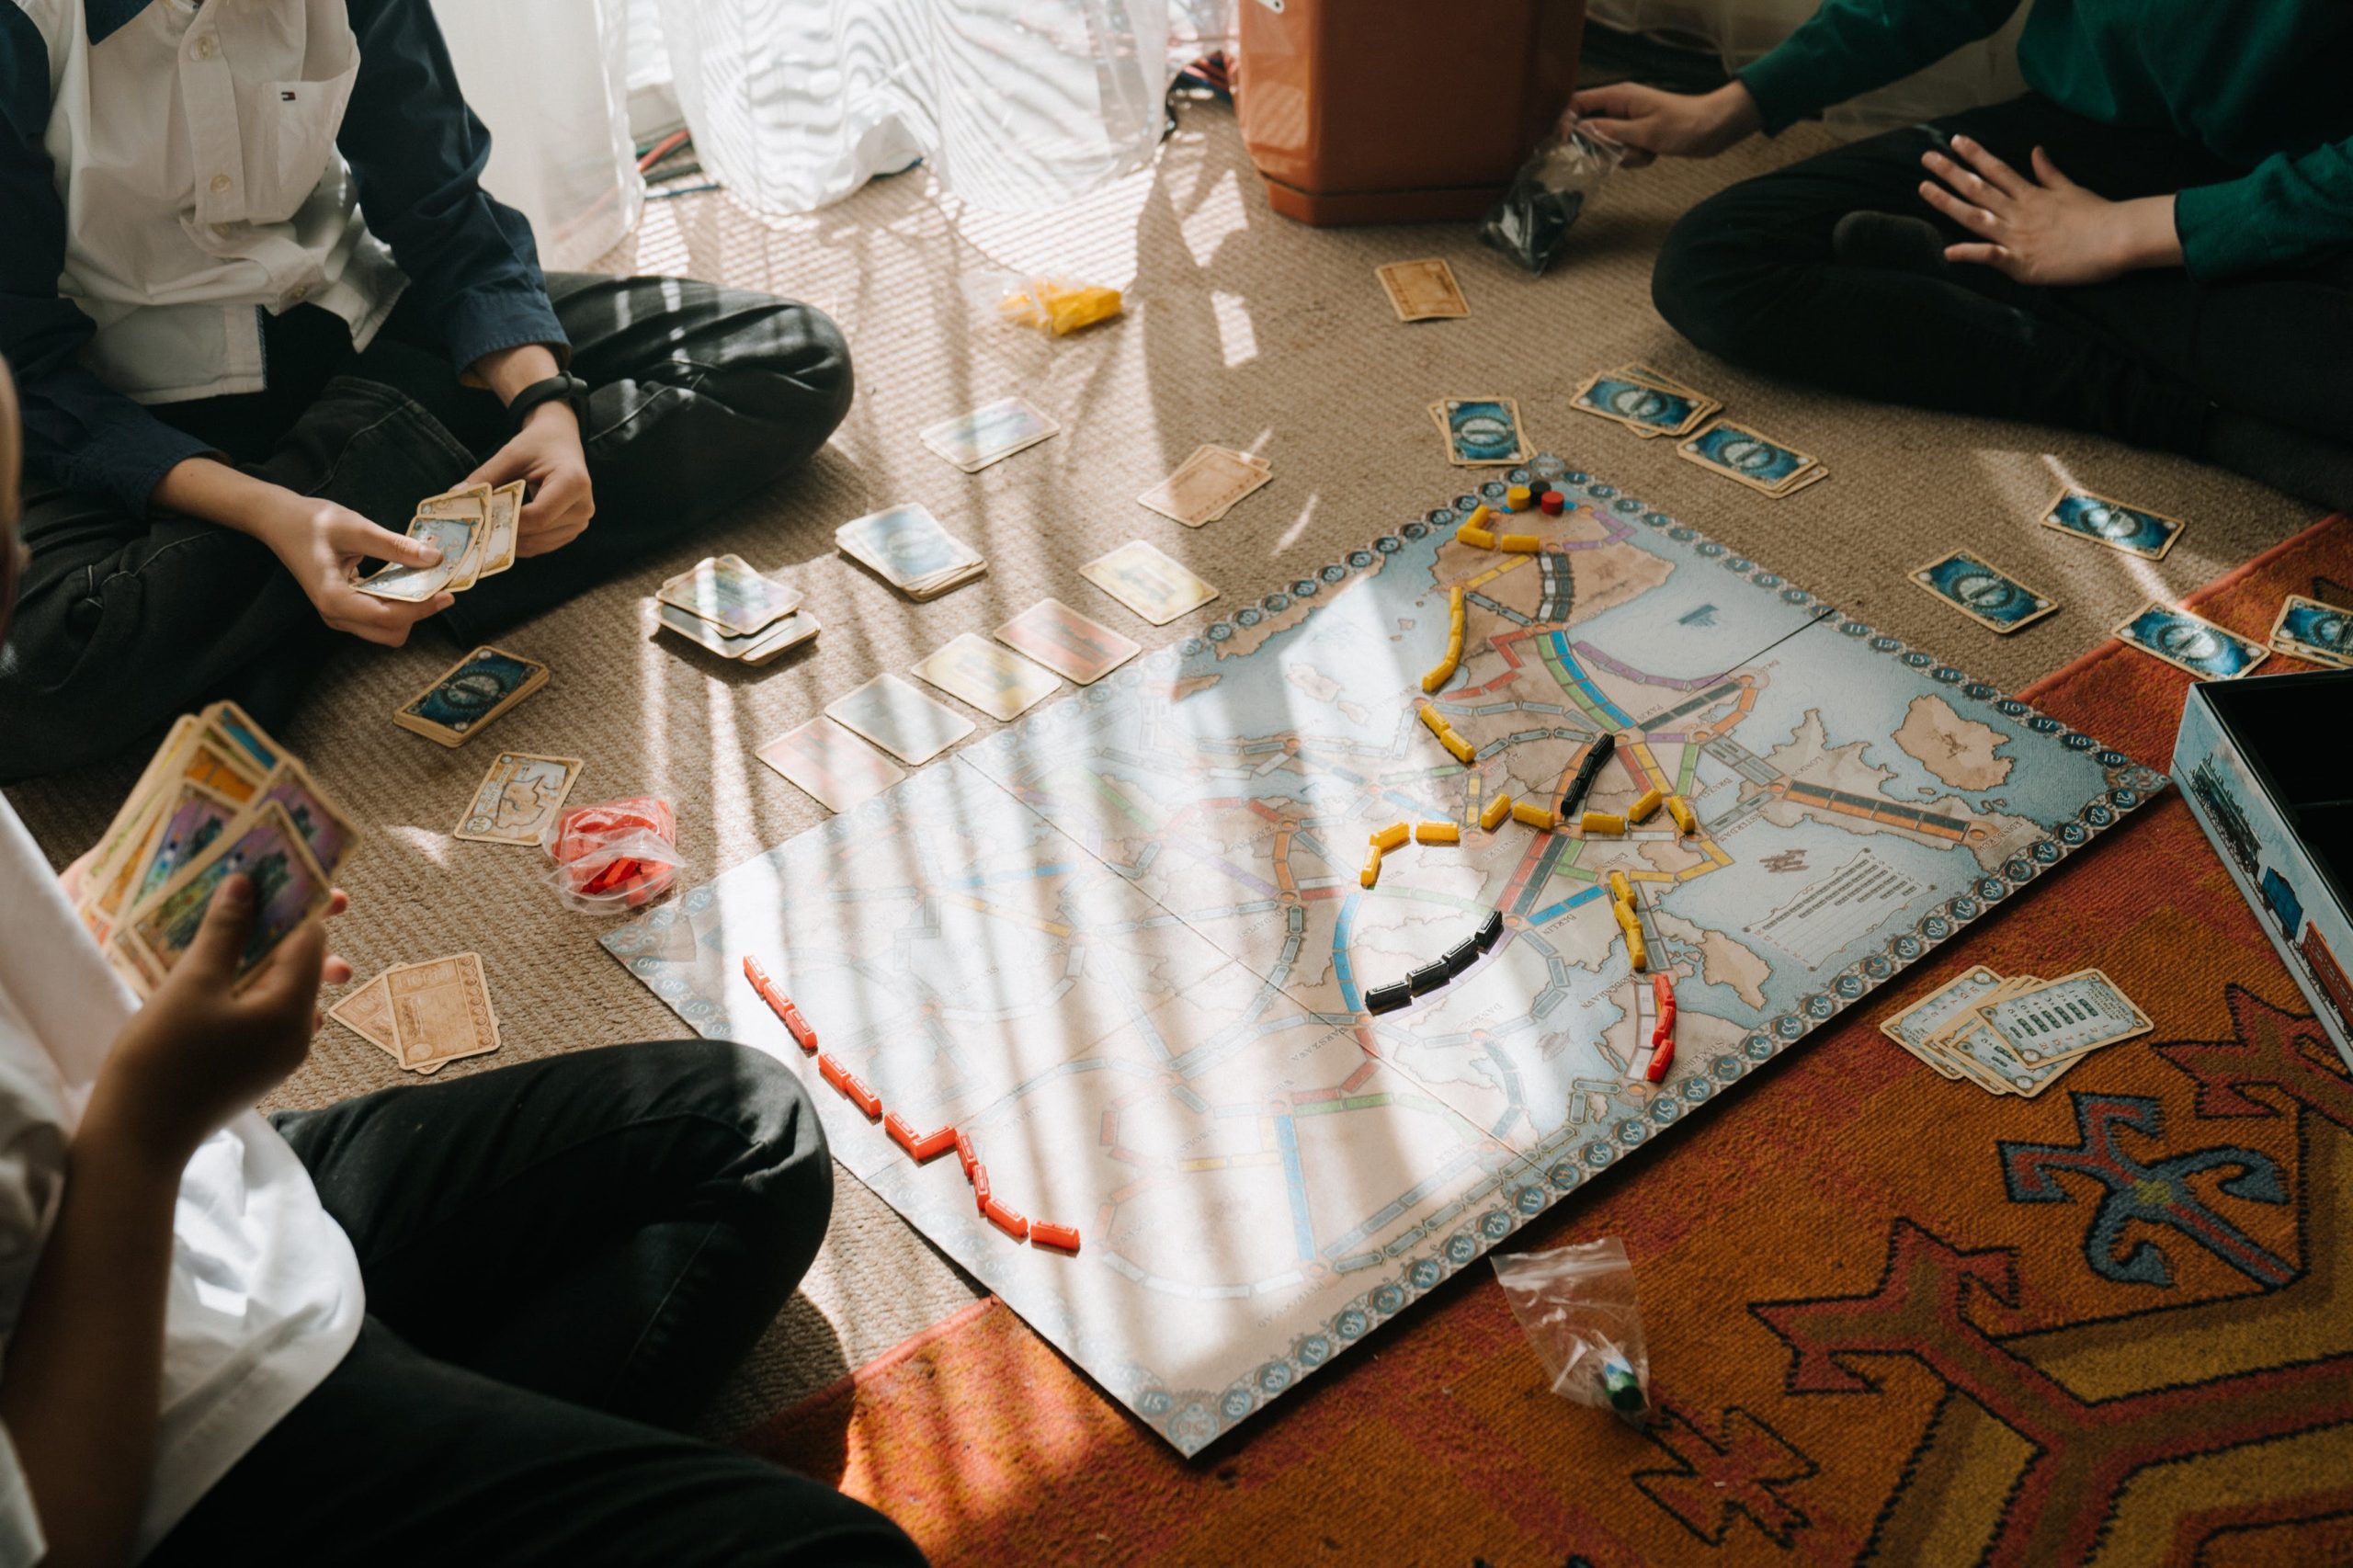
1751	274
701	396
559	1257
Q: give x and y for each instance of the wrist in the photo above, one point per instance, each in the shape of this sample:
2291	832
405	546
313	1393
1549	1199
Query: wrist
1737	114
508	370
2147	237
118	1136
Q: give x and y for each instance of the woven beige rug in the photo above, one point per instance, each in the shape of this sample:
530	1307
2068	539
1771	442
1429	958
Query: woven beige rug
1242	329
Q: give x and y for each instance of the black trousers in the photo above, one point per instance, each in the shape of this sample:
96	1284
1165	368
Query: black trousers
701	396
1751	274
561	1257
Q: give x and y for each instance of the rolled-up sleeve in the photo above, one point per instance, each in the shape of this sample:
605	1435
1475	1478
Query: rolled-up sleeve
2285	211
416	153
78	431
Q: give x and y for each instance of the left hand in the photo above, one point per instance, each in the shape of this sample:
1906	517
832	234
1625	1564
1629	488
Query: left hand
2046	229
546	455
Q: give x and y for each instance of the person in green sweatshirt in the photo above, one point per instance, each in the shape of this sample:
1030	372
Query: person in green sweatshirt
2155	242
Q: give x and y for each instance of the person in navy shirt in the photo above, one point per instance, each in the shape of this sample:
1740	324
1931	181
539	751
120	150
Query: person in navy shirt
259	304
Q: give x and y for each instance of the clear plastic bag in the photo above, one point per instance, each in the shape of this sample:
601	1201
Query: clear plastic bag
613	857
1576	1305
1054	305
1547	197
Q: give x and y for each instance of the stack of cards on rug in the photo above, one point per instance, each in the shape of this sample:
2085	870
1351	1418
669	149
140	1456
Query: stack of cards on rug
1646	402
2190	642
911	552
221	798
467	696
1758	462
1148	581
1207	484
2015	1036
476	530
1985	593
424	1015
2132	529
722	605
2315	631
1422	291
1480	432
518	800
989	434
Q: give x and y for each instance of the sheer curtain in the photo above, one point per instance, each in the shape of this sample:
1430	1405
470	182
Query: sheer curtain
1016	104
1741	30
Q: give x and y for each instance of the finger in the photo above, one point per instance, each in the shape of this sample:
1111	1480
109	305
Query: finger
337	902
289	979
1637	157
1976	219
503	465
2047	172
337	969
2000	174
228	924
1967	183
1618	98
550	540
1996	256
360	537
386	622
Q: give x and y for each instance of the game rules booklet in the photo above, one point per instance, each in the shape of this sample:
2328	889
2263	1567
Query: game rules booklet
218	799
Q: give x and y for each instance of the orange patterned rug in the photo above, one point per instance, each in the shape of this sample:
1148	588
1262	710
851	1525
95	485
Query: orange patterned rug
1890	1317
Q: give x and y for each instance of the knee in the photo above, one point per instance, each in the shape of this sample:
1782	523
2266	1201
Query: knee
788	1166
1701	281
788	365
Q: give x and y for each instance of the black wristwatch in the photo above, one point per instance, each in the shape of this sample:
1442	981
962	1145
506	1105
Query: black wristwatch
560	387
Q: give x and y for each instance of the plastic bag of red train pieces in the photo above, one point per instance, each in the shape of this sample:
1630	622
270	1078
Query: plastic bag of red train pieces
617	856
1576	1305
1547	197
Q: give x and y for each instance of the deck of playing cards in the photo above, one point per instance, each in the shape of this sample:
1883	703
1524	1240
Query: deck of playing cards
2315	631
424	1015
476	530
2190	642
218	799
1758	462
722	604
1645	401
1480	432
906	546
1207	484
467	696
2015	1036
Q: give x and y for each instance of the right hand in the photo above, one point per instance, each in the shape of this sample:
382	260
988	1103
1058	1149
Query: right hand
1654	124
203	1048
322	544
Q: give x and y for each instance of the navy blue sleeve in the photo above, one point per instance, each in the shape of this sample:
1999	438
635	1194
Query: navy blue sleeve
78	431
416	153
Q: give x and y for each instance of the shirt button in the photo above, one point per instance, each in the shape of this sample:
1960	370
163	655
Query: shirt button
220	183
205	47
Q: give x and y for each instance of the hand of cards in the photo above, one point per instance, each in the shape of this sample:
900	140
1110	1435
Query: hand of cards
2015	1036
476	530
723	605
218	799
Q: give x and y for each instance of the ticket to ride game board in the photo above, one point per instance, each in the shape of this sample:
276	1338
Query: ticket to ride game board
1124	946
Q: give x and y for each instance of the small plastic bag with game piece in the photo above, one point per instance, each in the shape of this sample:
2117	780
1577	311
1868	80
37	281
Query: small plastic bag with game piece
617	856
1576	1305
1547	197
1055	305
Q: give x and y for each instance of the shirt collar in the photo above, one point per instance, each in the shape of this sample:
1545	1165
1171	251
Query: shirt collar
104	18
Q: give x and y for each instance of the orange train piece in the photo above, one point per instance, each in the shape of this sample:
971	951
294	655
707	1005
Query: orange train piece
866	1099
1064	1238
1662	1032
1012	1222
965	1156
901	1133
934	1145
980	1174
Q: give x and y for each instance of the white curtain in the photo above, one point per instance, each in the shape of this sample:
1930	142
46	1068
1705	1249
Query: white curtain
550	78
1017	104
1741	30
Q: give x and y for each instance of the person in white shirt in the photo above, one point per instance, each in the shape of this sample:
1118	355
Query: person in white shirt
446	1322
260	305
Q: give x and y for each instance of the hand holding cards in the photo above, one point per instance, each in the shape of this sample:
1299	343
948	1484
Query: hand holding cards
220	799
475	528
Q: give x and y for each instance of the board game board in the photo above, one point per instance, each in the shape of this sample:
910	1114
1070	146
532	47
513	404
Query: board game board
1123	945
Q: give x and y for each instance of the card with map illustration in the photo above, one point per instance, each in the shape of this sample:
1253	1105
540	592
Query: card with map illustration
518	798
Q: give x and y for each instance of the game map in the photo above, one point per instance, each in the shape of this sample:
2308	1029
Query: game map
1123	945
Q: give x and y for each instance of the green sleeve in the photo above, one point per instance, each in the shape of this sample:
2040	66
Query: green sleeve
2285	211
1848	47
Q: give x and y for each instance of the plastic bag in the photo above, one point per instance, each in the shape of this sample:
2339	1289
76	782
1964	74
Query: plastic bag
1055	305
1576	1305
1548	195
612	857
